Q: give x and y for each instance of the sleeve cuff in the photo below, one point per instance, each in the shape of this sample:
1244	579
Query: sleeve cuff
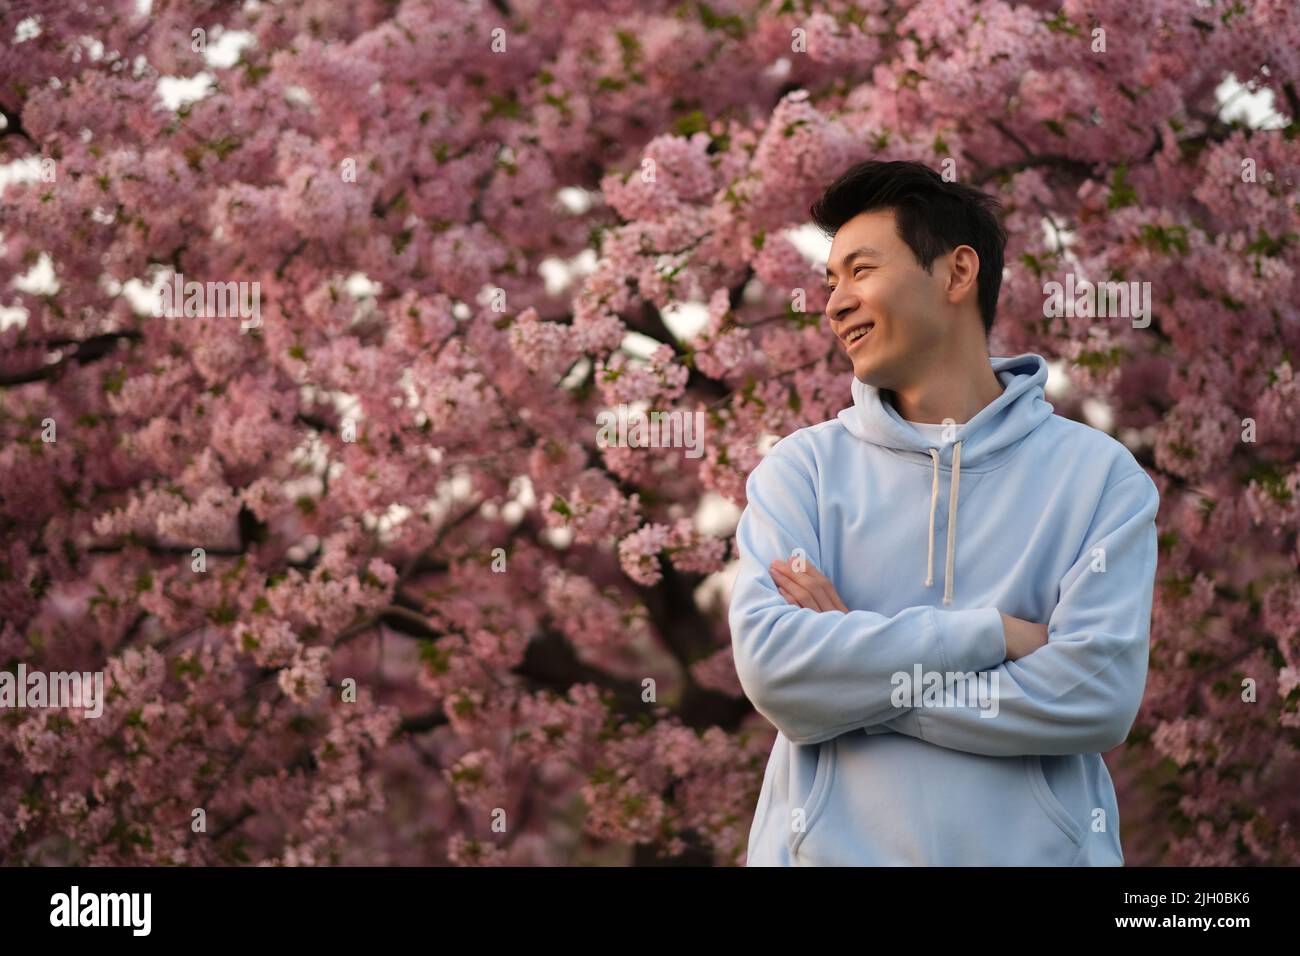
971	640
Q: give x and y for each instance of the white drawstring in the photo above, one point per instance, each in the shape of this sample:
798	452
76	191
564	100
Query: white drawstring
934	497
952	521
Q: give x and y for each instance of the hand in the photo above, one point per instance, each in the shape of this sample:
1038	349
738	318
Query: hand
808	588
1022	637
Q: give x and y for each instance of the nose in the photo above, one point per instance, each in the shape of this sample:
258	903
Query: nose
840	305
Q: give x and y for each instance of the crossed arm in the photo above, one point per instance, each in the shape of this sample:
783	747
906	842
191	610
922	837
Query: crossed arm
811	589
816	668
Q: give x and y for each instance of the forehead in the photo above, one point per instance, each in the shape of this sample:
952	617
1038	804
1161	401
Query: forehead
873	229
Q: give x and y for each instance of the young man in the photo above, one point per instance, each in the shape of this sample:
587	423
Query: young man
947	712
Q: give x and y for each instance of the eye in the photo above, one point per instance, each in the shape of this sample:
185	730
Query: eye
856	269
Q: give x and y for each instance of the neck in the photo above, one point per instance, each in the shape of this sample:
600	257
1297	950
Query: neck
953	389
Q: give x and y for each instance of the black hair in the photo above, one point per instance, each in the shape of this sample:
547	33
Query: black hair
931	215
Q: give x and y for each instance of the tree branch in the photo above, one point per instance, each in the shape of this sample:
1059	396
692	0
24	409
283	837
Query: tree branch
14	126
83	353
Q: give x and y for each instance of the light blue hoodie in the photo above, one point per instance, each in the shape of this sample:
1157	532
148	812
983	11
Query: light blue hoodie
1057	526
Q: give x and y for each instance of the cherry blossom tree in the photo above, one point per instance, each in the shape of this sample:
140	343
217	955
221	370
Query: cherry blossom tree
364	582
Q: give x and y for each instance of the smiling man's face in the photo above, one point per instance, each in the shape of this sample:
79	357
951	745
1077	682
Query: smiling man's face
877	282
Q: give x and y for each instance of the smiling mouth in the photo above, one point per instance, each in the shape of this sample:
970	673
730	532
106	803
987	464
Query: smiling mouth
858	335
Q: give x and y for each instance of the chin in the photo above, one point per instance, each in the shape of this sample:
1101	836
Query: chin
871	373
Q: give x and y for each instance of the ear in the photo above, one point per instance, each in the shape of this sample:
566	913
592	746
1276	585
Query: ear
963	273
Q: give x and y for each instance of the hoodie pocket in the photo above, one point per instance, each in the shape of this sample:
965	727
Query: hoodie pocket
893	800
815	805
1050	802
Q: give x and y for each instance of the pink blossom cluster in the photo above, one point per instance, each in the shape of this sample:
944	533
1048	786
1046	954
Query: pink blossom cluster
681	543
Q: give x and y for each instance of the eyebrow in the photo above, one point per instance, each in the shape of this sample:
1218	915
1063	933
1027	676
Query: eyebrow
860	251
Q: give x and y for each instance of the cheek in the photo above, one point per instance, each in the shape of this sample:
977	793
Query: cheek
906	308
894	304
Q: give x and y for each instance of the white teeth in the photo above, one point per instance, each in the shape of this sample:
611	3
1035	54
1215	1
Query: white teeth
857	333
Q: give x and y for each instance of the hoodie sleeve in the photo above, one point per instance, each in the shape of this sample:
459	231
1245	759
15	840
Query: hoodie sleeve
1080	692
818	674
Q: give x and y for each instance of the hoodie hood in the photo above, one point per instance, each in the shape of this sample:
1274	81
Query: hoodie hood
1002	423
